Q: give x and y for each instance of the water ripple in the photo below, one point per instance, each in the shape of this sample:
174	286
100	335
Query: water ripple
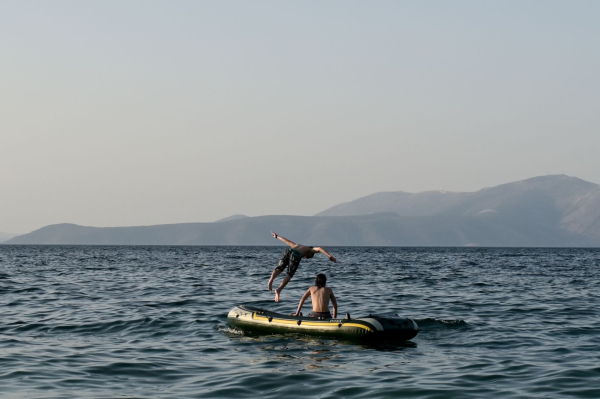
94	321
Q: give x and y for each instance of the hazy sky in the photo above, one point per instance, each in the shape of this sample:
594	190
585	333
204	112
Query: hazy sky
116	113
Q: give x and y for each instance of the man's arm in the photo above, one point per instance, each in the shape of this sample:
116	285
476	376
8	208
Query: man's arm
322	250
334	303
304	297
288	242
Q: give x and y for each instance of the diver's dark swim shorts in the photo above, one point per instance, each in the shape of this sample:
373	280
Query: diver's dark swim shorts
290	259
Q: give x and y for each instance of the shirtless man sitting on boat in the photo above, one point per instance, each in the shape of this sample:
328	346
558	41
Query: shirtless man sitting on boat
291	259
320	296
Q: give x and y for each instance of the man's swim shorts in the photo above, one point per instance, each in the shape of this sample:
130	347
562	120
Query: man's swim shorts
290	259
320	315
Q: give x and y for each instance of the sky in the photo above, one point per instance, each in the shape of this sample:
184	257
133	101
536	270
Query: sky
121	113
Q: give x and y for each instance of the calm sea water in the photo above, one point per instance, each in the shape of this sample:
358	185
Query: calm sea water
150	322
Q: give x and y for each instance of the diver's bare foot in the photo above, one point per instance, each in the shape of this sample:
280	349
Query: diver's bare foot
277	295
270	285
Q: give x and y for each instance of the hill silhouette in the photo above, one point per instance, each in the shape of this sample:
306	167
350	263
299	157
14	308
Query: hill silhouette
545	211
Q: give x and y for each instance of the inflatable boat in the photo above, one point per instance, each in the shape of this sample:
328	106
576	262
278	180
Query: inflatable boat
249	318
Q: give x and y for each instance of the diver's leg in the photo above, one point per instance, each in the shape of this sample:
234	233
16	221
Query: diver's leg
283	284
283	263
276	273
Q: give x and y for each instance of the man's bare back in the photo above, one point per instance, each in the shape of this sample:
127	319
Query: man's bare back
320	298
304	251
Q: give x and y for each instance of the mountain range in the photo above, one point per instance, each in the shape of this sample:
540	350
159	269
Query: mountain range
6	236
545	211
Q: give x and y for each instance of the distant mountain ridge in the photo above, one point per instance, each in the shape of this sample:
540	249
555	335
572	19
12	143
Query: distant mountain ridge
551	211
232	217
560	203
426	203
6	236
563	189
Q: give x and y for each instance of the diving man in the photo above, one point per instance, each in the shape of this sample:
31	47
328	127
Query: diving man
291	259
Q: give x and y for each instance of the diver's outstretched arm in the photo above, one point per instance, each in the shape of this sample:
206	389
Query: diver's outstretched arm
288	242
322	250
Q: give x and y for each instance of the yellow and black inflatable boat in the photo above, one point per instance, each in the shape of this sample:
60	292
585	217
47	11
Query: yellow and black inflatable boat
249	318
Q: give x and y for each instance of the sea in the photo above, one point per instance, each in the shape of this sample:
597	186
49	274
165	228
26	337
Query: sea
151	322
